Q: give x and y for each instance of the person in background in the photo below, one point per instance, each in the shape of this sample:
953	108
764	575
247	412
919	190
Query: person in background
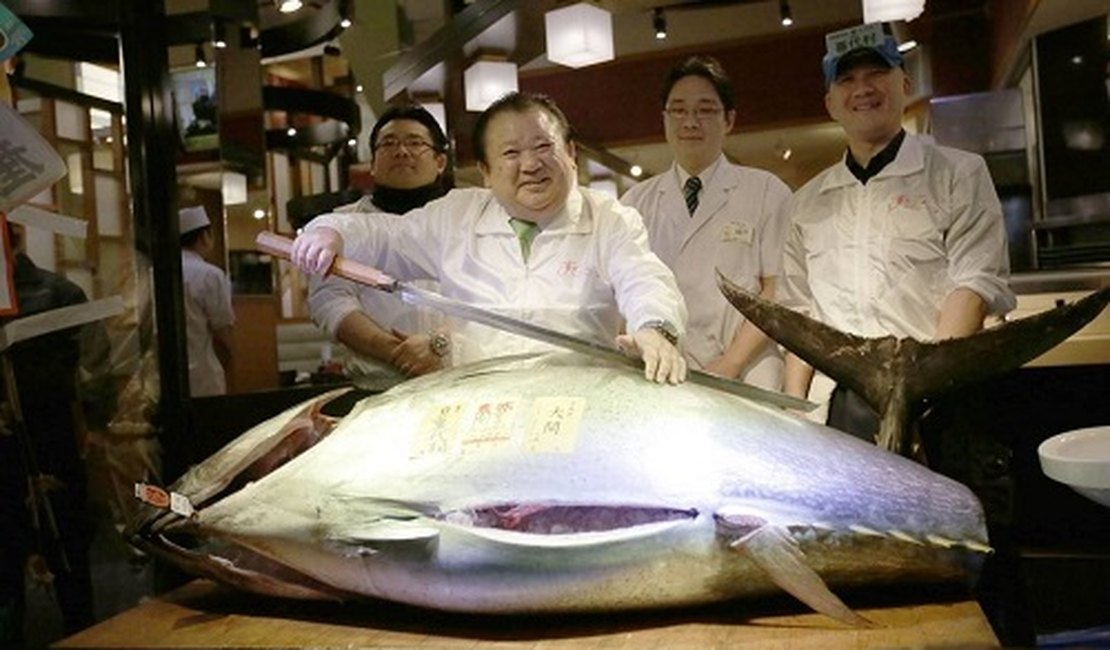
208	314
46	372
533	246
391	340
705	213
901	237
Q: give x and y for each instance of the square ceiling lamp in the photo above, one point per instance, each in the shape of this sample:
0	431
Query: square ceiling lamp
233	188
881	11
579	35
487	81
438	110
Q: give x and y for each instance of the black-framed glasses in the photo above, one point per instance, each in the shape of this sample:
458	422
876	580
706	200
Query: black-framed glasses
415	146
700	113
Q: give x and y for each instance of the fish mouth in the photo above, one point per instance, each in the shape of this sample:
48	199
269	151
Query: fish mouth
564	518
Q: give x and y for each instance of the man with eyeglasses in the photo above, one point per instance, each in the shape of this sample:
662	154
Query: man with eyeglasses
901	237
532	245
391	340
705	213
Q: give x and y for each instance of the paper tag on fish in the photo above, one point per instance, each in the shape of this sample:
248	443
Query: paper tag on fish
180	504
438	431
27	163
553	425
491	428
160	498
152	495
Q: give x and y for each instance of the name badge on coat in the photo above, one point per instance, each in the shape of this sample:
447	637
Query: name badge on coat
737	231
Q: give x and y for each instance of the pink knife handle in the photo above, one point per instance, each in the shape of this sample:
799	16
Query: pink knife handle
280	246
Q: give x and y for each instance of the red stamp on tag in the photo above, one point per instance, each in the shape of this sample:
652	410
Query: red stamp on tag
153	495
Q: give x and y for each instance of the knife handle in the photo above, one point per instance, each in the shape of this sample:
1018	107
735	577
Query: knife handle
282	247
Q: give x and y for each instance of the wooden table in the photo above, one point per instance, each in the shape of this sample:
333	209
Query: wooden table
202	614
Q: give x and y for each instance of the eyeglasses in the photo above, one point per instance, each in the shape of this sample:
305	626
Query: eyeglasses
701	113
415	146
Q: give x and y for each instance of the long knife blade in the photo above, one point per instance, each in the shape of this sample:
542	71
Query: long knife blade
281	246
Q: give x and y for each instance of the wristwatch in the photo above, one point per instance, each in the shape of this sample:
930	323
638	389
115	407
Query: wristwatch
666	329
440	343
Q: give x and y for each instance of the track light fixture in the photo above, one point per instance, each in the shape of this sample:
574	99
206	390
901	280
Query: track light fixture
201	62
659	23
784	13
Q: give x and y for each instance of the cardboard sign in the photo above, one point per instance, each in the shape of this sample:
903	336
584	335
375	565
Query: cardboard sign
28	165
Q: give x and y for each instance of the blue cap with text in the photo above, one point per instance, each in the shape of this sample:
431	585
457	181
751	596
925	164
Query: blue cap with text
847	48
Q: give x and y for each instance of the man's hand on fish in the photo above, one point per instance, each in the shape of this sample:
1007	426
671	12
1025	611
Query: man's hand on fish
315	250
413	355
662	361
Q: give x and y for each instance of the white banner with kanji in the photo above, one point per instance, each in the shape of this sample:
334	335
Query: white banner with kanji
28	165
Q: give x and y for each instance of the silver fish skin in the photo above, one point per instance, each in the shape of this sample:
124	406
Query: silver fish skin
527	485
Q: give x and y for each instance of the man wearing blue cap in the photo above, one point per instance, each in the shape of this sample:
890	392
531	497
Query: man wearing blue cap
901	237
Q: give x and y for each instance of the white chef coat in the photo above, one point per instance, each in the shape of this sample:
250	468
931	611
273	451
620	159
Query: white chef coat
207	308
332	298
879	259
589	266
737	228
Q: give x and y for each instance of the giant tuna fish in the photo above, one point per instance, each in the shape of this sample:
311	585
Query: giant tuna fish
523	485
527	484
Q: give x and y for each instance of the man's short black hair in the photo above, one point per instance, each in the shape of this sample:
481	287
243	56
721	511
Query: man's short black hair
413	112
519	103
707	68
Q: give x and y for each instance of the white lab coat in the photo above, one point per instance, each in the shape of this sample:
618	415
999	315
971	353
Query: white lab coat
737	228
332	298
207	308
879	259
587	268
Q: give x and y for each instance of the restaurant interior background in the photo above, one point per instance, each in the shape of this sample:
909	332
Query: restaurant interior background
262	117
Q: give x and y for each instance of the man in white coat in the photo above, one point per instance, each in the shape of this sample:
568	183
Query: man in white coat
705	213
208	314
389	339
533	246
901	237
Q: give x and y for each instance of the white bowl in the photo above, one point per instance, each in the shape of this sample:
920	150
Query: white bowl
1081	460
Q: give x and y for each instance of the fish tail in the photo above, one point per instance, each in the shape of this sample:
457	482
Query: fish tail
894	375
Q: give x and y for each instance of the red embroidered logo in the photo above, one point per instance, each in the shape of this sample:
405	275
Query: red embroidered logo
568	269
900	201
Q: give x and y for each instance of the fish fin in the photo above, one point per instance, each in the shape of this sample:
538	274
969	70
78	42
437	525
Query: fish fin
915	369
777	554
386	530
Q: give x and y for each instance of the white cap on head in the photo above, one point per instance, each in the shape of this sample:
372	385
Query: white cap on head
192	218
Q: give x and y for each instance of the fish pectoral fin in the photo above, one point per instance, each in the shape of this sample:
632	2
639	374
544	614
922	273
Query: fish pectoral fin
386	530
777	554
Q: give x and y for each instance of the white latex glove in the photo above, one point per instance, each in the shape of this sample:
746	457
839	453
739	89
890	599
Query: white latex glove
662	361
315	250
